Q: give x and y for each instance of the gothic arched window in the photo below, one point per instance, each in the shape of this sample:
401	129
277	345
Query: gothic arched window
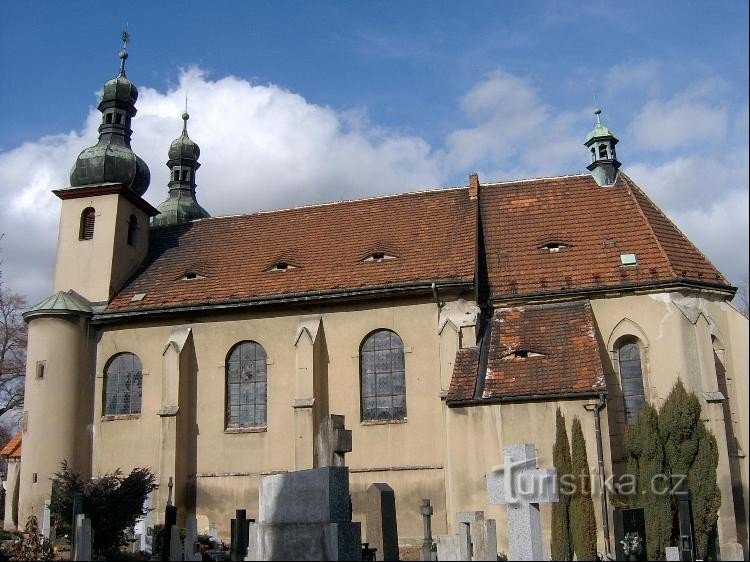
246	386
88	217
123	381
631	379
382	377
132	229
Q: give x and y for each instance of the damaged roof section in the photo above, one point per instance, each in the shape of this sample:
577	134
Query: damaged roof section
534	351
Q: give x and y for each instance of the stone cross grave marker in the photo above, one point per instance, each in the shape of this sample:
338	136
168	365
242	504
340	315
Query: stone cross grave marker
334	441
521	486
426	509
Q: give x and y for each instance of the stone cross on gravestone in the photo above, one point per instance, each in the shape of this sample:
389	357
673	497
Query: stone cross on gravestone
426	509
334	441
520	485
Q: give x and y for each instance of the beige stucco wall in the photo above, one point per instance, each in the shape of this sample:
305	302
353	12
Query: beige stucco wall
89	267
228	463
675	332
57	407
476	437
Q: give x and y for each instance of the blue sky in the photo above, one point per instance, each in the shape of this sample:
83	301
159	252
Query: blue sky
296	102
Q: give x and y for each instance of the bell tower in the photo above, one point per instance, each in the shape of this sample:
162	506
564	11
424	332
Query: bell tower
104	233
601	143
181	205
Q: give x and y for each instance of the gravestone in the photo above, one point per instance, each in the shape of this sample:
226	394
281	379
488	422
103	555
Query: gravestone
170	521
47	529
239	530
191	549
672	553
629	521
452	547
521	486
426	510
685	523
334	441
82	534
382	531
480	534
175	544
306	515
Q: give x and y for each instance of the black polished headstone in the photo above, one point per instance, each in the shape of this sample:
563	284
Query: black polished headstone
629	521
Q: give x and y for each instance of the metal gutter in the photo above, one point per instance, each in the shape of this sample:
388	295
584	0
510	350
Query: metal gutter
290	298
523	398
680	283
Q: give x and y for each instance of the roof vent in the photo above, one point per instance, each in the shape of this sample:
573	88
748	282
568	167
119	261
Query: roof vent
191	275
379	256
628	259
520	354
282	266
554	247
138	297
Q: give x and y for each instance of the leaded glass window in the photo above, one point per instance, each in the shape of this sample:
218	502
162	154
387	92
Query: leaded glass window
631	378
382	377
246	385
123	385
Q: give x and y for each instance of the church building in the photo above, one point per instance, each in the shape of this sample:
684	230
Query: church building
444	324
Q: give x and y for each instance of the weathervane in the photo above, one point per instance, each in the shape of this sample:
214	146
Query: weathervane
125	36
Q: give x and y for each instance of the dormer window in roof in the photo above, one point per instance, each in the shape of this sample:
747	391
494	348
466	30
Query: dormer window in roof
191	275
520	354
282	266
379	257
554	247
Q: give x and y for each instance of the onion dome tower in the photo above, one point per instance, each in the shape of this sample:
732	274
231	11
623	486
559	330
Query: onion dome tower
181	205
111	160
601	142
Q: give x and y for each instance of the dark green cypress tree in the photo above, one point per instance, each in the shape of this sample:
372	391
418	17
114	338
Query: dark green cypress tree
679	418
647	464
582	521
561	547
704	493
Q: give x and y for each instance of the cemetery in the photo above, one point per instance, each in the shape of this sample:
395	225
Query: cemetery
307	515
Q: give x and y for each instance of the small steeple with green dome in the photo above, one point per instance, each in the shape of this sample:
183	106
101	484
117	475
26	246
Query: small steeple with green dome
601	143
181	205
111	160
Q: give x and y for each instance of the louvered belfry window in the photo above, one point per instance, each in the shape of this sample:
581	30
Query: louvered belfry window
382	377
123	384
246	386
132	229
88	216
631	378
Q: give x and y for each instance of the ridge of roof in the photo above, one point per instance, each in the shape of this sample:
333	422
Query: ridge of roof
329	204
536	179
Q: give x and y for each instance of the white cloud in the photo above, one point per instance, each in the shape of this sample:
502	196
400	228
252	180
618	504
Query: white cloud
679	122
514	131
264	147
707	197
633	76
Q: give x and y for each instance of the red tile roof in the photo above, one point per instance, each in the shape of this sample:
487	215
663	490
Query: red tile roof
559	354
12	448
432	234
597	224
